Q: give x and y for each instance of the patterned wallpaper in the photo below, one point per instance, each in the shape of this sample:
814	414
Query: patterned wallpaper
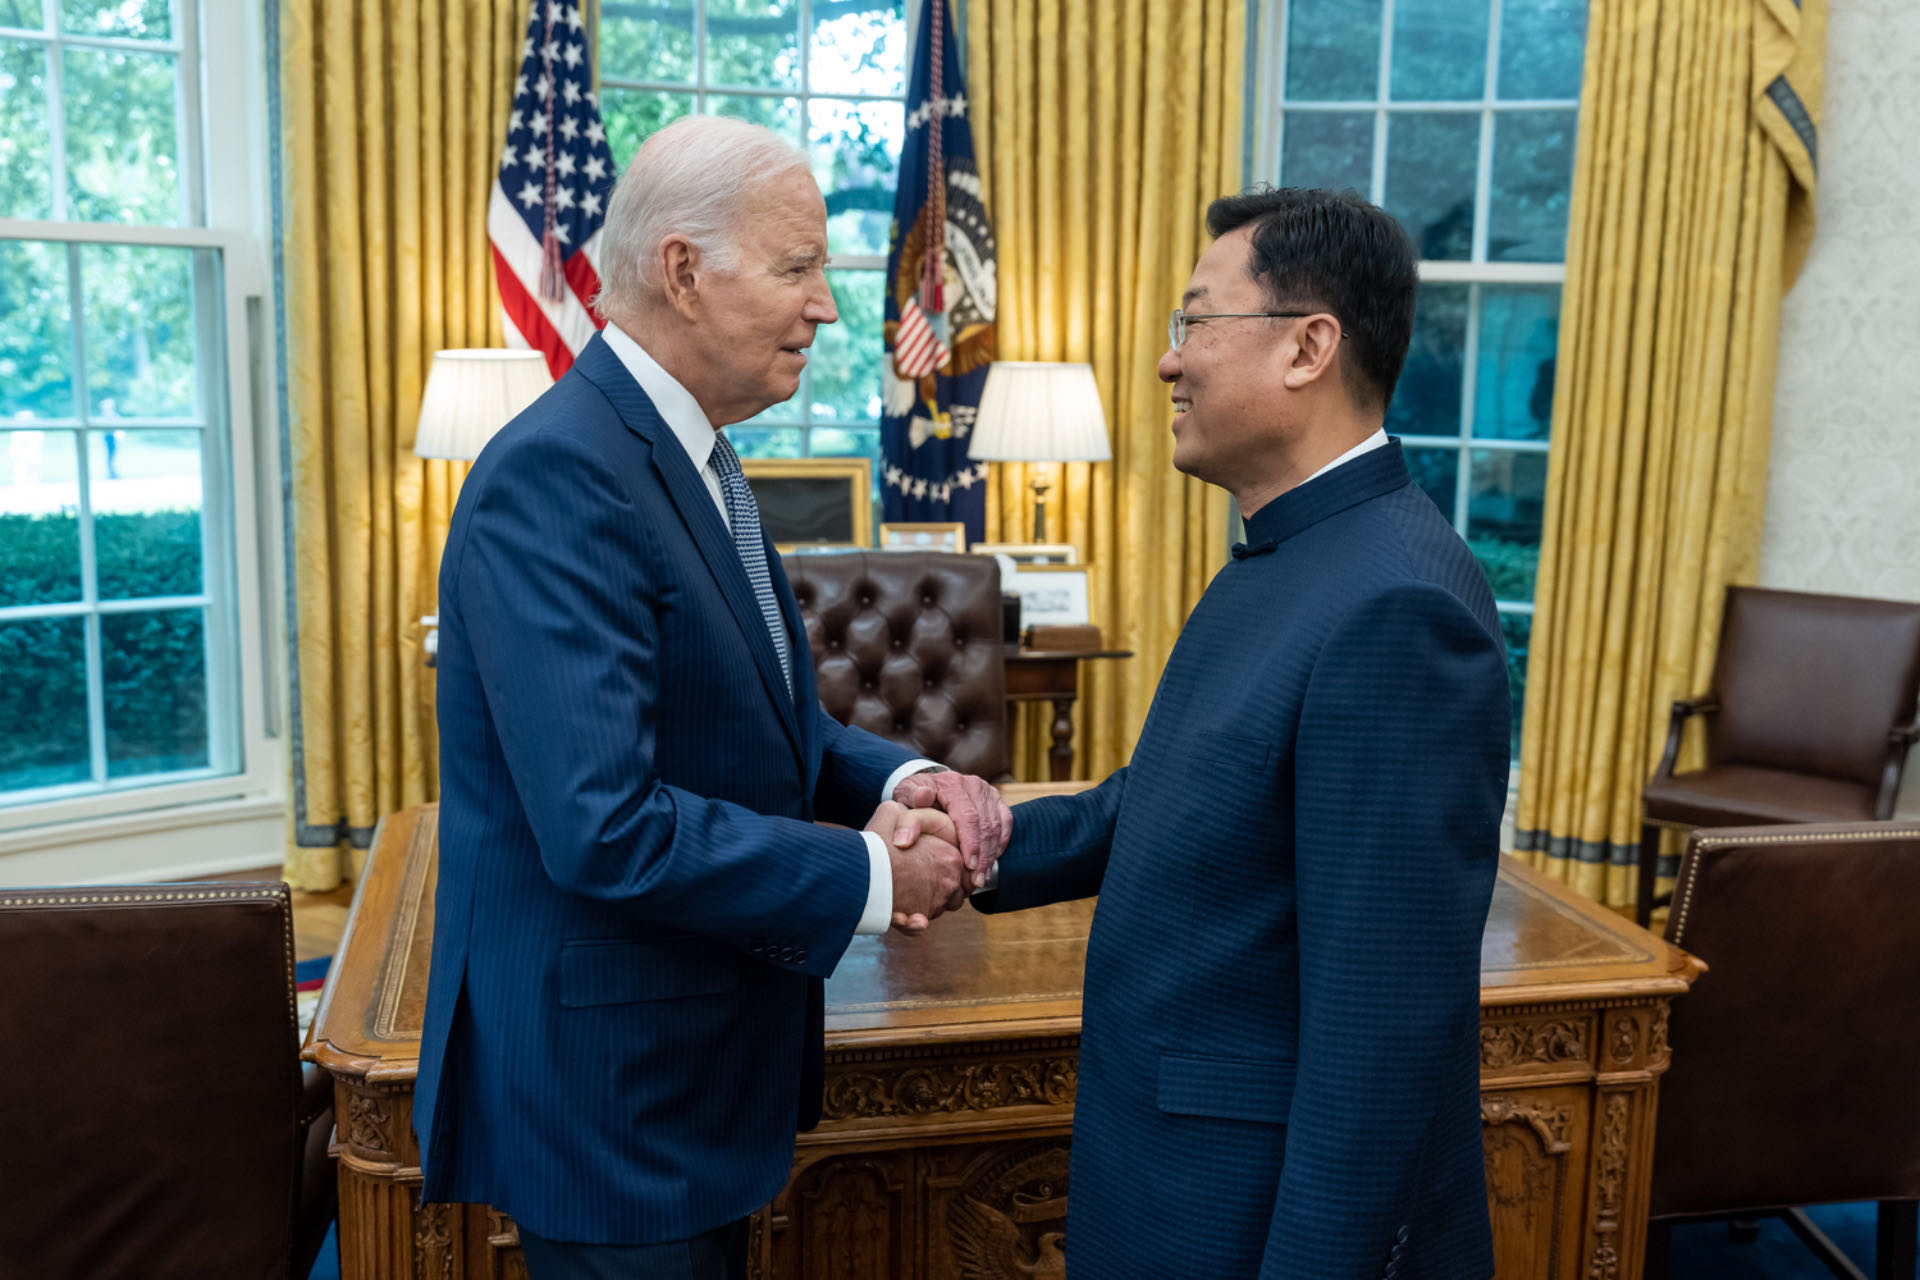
1843	505
1843	497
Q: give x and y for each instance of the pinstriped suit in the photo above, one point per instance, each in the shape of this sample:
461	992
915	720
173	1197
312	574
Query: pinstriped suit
1279	1061
634	911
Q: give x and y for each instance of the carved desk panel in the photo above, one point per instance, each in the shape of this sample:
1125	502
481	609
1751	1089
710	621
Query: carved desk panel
951	1070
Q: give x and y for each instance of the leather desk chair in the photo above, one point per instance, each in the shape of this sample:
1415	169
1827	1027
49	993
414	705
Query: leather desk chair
1809	720
1796	1057
158	1122
907	644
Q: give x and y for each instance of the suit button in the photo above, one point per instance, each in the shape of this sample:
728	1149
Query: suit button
757	947
786	955
800	956
1402	1235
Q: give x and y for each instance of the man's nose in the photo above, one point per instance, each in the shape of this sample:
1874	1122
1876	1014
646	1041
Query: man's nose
1169	366
820	308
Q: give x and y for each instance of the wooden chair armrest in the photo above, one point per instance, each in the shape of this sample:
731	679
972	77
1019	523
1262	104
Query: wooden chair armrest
1705	704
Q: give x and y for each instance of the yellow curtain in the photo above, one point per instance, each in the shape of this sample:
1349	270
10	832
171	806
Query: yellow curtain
1692	211
394	116
1106	127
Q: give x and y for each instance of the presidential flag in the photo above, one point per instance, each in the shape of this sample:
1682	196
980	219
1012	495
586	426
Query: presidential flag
551	194
940	298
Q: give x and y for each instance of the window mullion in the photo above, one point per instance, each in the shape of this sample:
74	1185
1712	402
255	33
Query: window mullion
189	130
1381	94
1469	378
89	575
56	118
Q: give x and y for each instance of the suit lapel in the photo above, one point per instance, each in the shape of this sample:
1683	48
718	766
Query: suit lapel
600	366
805	690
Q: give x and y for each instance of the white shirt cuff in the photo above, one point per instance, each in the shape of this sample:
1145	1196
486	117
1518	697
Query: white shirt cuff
906	771
879	913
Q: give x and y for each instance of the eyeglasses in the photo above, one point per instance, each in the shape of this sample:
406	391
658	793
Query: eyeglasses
1177	323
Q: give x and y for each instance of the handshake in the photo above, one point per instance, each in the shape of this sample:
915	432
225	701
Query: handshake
943	833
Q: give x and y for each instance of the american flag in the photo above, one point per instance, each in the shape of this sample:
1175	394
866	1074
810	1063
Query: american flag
917	349
551	195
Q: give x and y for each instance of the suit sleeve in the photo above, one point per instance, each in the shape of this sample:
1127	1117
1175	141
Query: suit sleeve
854	765
1058	849
1400	779
558	601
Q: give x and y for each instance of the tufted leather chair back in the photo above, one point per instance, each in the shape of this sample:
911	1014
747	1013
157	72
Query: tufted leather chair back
907	644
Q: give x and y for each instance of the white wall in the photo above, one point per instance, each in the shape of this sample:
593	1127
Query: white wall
1843	499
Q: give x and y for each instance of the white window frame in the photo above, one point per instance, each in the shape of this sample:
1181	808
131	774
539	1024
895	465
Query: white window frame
143	830
804	94
1269	125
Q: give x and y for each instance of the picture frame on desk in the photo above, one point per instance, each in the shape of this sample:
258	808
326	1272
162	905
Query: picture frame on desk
813	503
1031	552
1052	594
945	537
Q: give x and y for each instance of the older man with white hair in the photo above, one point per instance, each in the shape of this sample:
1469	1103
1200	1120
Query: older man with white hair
635	907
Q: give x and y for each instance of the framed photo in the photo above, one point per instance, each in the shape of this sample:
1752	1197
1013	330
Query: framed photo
1031	552
813	501
924	537
1051	594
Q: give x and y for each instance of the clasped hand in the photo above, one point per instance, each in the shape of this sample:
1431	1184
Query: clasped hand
944	831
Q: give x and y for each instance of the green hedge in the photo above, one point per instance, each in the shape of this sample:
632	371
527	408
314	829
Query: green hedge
154	664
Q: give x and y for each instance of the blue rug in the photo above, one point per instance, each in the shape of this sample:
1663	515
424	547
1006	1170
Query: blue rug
1708	1251
327	1265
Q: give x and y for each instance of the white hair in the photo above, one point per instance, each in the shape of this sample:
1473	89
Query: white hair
688	179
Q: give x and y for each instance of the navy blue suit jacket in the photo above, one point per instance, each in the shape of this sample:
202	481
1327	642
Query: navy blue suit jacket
635	909
1279	1066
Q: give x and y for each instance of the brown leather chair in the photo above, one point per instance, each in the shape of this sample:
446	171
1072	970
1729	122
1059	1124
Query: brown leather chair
158	1123
1809	720
907	644
1795	1076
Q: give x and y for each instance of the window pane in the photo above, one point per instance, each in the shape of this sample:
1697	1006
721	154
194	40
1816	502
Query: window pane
1542	47
39	522
633	115
1513	380
43	703
1439	50
1532	186
754	42
846	442
155	667
22	13
1518	628
36	331
1505	498
765	442
122	154
1427	400
782	115
144	488
134	19
1431	159
26	140
845	368
646	40
856	157
859	49
137	303
1333	50
1437	472
1328	149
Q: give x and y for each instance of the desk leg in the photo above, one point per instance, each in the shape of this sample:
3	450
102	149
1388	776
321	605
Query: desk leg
1060	759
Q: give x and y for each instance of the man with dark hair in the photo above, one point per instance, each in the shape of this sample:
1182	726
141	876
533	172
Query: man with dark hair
1279	1061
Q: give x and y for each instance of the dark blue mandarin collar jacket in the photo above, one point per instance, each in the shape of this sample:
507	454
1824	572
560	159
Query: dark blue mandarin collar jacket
1279	1060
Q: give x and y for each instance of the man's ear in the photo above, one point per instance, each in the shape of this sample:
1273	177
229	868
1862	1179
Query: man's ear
1317	341
679	263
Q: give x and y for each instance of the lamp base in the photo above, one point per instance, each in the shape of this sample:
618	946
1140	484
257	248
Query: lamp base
1040	488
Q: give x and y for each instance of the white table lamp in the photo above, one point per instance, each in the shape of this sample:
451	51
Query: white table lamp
473	392
1038	412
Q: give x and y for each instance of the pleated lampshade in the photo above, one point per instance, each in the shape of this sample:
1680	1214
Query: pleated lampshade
1032	411
471	393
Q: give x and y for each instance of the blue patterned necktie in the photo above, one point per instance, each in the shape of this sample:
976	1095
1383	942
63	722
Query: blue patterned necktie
744	515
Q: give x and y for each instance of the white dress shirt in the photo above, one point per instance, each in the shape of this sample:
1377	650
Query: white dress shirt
692	428
1372	442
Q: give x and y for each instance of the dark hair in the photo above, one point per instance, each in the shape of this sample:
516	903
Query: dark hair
1331	250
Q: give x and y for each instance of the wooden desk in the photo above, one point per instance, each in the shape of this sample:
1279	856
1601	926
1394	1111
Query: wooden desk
1052	675
951	1069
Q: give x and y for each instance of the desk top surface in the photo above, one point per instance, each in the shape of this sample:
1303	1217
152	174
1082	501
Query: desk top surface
973	977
